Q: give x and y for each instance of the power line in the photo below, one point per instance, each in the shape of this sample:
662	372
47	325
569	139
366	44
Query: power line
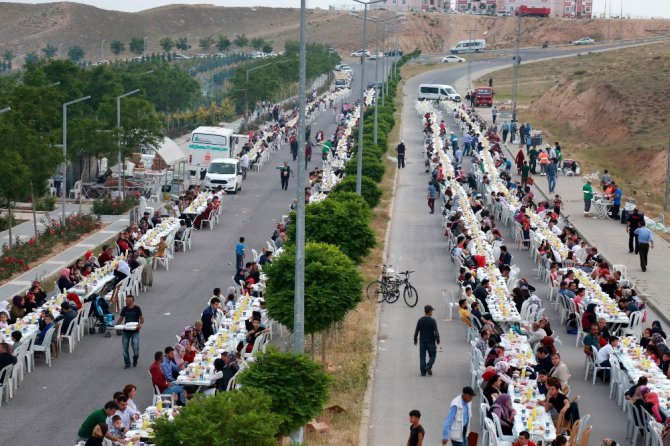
516	63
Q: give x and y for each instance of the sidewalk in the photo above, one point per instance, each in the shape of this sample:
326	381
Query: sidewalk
56	263
609	236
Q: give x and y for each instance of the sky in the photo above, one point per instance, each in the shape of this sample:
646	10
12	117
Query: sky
634	8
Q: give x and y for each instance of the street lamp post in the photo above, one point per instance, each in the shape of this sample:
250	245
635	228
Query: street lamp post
359	163
9	202
122	170
102	49
63	196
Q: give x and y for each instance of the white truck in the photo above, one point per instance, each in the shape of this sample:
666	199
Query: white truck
469	46
207	143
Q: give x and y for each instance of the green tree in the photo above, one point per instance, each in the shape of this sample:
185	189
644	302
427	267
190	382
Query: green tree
241	41
345	224
76	53
31	57
136	45
167	44
369	189
206	43
223	44
117	47
267	47
298	387
372	167
332	287
49	51
241	418
8	56
182	44
257	43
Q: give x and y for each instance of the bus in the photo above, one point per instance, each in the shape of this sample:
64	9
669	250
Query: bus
206	144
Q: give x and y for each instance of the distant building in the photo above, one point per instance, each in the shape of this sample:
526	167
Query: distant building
559	8
411	5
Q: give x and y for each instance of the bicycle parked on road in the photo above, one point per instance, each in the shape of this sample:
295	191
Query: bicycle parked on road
388	287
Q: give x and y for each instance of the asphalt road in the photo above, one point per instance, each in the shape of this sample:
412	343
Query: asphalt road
417	243
52	402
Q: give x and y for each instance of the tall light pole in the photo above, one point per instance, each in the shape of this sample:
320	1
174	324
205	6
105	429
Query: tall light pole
9	202
359	163
299	285
515	73
667	183
102	49
122	170
64	195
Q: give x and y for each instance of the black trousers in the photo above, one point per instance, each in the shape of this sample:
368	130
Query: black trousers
643	250
284	182
632	241
401	161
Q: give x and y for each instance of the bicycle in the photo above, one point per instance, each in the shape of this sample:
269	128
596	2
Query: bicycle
388	288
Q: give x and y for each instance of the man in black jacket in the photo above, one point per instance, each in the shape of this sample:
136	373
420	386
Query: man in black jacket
401	154
429	337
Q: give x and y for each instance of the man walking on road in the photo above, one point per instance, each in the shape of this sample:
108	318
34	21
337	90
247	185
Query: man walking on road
432	195
457	424
239	254
494	114
644	241
244	164
587	190
633	223
416	432
294	147
284	173
551	175
429	337
401	154
130	313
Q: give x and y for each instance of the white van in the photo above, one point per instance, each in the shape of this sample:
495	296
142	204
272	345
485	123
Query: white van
432	92
469	46
224	172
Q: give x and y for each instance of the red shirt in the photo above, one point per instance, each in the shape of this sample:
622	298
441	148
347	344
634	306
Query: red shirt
530	443
157	377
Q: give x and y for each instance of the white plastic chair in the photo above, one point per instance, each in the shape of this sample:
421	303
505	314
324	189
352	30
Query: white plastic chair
17	371
499	433
75	192
45	347
30	353
595	365
5	383
164	261
70	334
254	253
635	326
492	435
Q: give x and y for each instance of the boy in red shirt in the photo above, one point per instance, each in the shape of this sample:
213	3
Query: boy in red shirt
523	439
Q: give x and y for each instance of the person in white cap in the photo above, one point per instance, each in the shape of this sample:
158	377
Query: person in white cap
401	154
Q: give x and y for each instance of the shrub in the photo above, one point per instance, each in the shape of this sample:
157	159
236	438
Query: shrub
47	204
240	417
344	224
369	189
298	387
333	286
371	168
114	206
4	222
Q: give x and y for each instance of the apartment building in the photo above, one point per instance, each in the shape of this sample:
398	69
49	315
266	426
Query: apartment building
559	8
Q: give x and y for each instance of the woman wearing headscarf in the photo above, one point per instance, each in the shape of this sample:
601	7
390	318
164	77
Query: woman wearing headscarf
17	311
502	369
548	343
64	282
589	317
502	407
657	328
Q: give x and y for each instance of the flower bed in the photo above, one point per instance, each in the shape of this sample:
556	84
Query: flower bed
19	257
114	206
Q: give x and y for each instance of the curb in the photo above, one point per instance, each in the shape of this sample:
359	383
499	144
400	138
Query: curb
364	428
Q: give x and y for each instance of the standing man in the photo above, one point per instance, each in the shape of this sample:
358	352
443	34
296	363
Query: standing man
429	337
244	164
240	251
633	223
494	113
284	173
308	152
401	154
533	160
416	432
491	84
587	190
457	424
644	241
605	180
525	173
467	144
294	147
551	175
616	201
209	316
505	131
130	313
522	135
432	195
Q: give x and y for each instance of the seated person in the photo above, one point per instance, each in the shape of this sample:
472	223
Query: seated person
252	335
164	386
502	407
65	281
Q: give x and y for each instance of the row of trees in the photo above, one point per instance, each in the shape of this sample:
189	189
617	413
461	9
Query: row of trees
222	43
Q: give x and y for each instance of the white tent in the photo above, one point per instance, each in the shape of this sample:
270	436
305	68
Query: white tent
170	152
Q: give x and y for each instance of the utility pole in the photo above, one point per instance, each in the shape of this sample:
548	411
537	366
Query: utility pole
471	35
516	63
667	184
609	19
621	22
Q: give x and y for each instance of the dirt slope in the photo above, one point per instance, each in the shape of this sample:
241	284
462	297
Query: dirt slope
27	27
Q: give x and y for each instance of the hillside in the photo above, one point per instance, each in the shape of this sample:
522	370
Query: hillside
27	27
602	113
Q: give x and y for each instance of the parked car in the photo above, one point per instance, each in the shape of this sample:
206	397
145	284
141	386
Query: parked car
394	53
375	56
200	56
452	59
346	68
181	57
374	84
359	53
584	41
340	83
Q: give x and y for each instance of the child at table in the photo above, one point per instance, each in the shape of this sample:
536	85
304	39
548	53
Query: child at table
4	320
523	439
161	248
558	204
118	429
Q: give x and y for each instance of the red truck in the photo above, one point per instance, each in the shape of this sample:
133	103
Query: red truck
530	11
484	96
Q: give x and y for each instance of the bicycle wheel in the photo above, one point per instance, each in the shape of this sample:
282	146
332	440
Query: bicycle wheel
375	291
392	293
411	295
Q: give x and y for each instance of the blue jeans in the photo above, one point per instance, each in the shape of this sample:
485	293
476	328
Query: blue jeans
466	149
179	390
239	259
431	349
130	338
552	182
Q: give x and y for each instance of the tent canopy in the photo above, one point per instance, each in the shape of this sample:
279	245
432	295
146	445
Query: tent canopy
170	152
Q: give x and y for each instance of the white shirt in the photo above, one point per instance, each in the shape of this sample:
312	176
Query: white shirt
604	353
123	267
556	230
244	162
